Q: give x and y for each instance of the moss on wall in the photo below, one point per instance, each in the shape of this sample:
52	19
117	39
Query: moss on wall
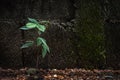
90	34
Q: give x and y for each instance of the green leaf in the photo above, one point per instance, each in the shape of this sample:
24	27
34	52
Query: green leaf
45	44
24	28
33	20
27	44
44	51
39	41
41	27
31	25
45	48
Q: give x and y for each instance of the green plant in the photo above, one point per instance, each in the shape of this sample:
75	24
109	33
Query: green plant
39	42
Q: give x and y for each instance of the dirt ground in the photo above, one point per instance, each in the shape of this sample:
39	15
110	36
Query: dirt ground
54	74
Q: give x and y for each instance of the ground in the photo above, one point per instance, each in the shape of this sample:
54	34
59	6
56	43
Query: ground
54	74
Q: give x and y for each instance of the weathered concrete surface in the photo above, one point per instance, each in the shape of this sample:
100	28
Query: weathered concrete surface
14	15
111	10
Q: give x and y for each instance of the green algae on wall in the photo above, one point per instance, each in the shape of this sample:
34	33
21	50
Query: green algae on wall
90	34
